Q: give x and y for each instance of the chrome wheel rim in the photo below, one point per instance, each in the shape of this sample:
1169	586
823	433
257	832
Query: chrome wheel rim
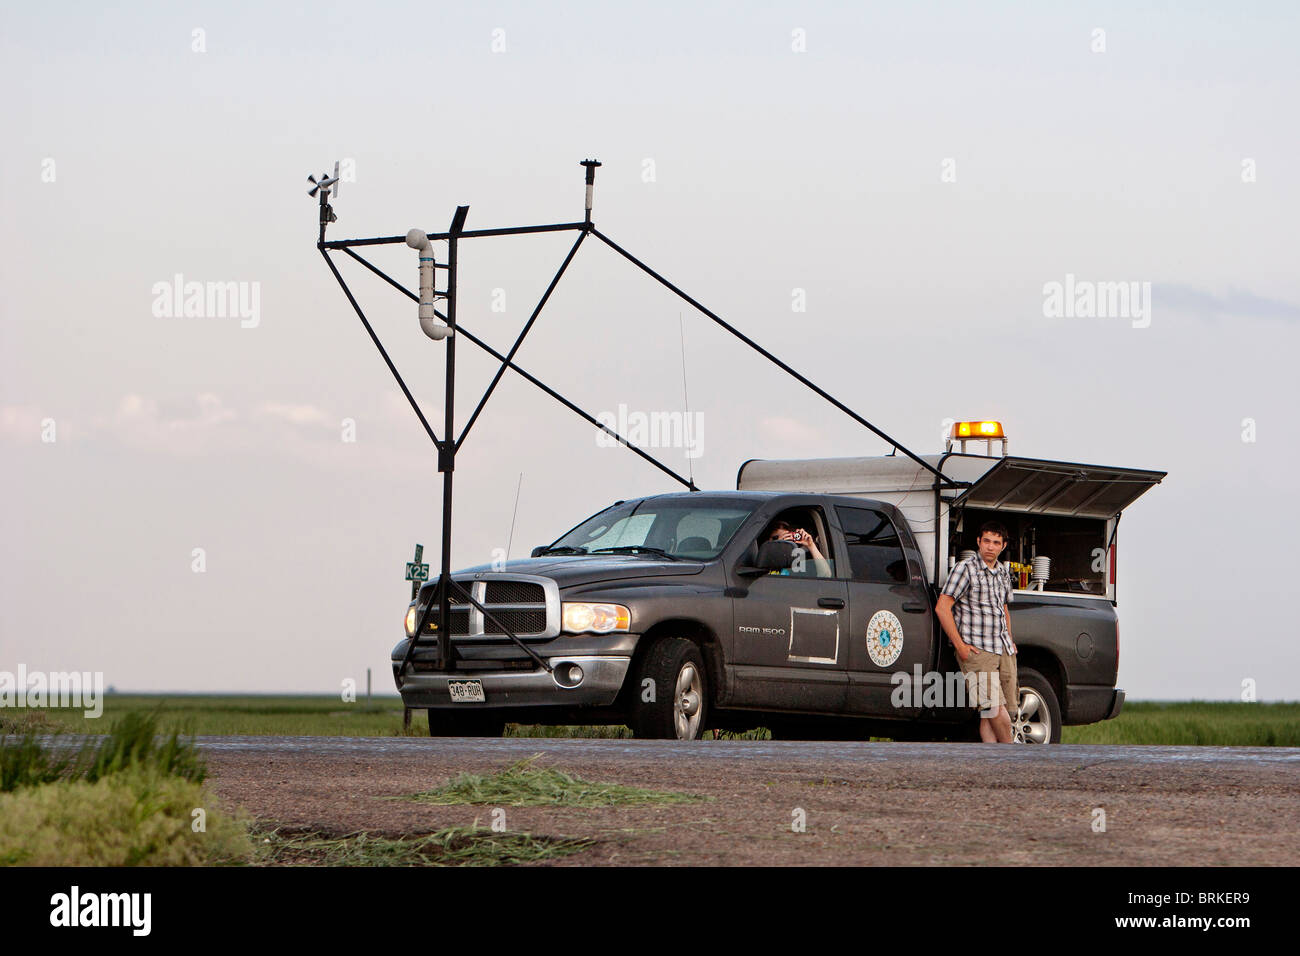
687	701
1033	721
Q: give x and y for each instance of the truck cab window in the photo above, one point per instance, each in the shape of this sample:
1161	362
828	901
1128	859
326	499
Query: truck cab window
697	529
624	532
697	534
875	552
806	529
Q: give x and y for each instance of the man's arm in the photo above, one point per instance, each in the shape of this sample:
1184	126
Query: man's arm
943	611
954	588
1006	611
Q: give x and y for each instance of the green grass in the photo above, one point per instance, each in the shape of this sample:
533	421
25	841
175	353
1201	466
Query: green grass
133	742
1195	723
135	817
282	715
1183	722
251	714
18	721
130	798
453	846
595	731
523	785
25	763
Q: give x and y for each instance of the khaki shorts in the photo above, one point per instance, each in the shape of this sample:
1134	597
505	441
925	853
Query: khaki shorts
991	682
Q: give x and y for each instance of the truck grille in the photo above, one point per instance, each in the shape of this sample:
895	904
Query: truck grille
514	592
521	622
528	608
459	621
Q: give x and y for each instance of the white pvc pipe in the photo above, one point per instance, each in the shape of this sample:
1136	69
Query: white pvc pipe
434	328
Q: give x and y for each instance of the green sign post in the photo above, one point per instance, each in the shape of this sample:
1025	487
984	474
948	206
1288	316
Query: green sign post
416	572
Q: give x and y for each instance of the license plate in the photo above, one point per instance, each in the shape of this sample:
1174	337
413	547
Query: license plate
466	691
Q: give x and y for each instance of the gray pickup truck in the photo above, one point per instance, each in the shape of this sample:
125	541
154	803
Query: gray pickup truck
675	613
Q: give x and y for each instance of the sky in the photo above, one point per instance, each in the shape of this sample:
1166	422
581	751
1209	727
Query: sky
879	193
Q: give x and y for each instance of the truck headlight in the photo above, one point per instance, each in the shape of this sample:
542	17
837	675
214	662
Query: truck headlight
412	619
600	618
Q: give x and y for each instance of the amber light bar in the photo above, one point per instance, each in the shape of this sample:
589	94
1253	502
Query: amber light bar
978	430
986	431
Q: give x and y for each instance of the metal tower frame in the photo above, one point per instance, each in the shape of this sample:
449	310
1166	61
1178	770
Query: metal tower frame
448	446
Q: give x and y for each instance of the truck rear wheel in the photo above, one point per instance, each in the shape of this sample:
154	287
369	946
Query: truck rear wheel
1038	720
672	676
444	723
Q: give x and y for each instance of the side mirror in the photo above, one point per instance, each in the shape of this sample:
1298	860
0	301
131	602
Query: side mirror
537	551
772	556
775	555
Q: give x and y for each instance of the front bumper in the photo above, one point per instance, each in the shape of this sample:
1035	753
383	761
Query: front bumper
602	679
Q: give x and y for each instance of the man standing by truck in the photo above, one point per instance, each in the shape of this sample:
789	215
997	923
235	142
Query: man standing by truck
973	612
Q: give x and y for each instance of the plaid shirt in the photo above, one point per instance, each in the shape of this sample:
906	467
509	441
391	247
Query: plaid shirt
981	595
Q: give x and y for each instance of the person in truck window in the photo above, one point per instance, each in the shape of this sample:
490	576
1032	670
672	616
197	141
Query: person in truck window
974	615
781	530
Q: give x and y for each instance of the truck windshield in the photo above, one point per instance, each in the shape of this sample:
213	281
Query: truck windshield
694	529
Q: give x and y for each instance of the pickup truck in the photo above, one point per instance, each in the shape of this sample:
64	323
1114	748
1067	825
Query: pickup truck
675	613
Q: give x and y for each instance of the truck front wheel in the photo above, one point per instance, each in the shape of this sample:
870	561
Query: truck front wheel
1038	720
670	696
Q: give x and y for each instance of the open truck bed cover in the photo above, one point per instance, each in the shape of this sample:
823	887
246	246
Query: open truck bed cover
1012	484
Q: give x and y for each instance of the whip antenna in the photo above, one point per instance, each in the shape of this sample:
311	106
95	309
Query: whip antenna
686	402
515	515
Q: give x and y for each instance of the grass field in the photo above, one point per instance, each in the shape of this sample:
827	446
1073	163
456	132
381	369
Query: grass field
1197	723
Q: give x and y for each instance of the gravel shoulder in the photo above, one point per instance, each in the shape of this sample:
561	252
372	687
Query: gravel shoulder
864	803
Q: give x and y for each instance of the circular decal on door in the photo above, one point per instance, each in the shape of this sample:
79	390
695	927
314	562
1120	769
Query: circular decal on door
884	638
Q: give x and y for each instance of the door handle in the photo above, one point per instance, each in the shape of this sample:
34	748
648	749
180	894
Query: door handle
915	607
830	602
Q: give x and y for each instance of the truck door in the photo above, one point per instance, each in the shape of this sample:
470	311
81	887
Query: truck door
891	623
790	631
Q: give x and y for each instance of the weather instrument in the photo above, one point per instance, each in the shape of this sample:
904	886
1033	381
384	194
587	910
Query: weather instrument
438	258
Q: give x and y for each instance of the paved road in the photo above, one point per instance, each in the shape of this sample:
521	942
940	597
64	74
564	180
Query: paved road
772	752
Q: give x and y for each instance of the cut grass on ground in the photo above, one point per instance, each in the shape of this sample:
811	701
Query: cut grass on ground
523	785
453	846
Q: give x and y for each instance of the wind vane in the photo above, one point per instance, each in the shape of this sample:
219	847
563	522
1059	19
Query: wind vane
323	186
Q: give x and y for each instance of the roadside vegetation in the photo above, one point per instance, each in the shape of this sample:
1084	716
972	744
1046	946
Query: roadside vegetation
129	798
1196	724
136	797
1188	723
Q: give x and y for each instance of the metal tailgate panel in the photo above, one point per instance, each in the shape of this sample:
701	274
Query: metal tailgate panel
1059	488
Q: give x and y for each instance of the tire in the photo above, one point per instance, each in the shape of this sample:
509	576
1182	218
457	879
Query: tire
679	706
1038	718
444	723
